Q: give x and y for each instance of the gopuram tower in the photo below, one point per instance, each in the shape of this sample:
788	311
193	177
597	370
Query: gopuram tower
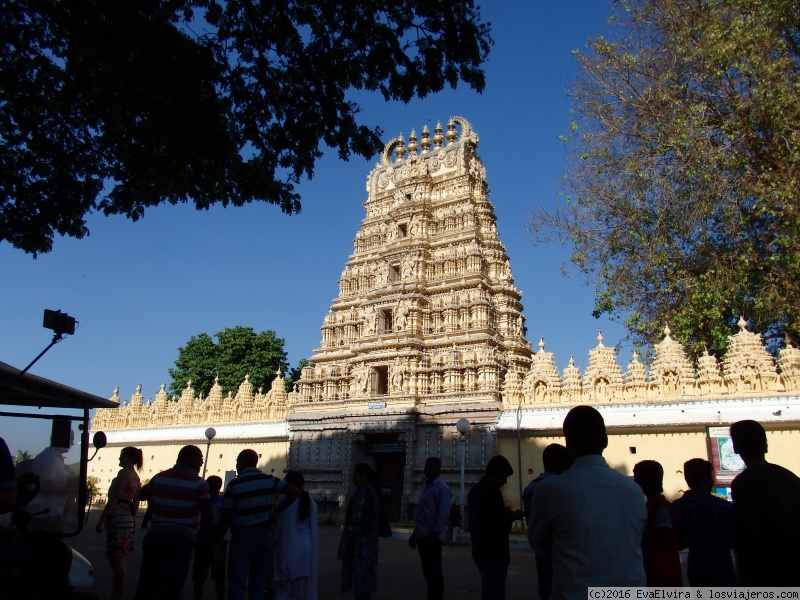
427	328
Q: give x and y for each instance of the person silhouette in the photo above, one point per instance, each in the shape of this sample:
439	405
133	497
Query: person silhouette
590	519
662	563
556	460
489	525
705	526
430	523
766	513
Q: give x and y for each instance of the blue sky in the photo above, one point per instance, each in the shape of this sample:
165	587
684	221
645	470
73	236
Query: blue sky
141	290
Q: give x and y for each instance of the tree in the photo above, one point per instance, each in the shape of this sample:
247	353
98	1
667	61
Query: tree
92	489
683	189
23	455
115	107
237	352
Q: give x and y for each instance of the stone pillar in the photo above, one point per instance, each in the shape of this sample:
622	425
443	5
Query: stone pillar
408	472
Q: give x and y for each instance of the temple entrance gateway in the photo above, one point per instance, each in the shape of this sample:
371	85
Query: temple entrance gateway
390	461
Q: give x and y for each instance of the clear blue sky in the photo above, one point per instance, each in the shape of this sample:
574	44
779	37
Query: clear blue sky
141	290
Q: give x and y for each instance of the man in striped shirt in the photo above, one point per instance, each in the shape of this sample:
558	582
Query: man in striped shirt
181	507
247	509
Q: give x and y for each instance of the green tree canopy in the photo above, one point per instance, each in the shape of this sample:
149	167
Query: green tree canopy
23	455
120	106
683	184
238	351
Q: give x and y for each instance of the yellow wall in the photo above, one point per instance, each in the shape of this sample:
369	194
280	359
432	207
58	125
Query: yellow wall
670	449
784	449
222	457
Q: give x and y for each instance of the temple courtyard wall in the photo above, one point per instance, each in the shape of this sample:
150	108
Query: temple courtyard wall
398	448
428	329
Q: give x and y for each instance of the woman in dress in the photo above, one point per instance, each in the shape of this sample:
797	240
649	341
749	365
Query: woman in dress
117	516
358	546
296	549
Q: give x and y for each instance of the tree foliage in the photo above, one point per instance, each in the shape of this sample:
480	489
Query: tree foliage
683	184
23	455
119	106
237	352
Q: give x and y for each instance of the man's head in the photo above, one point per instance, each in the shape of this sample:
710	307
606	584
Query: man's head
649	474
247	459
214	485
556	459
296	479
585	431
498	469
433	467
699	474
749	440
192	457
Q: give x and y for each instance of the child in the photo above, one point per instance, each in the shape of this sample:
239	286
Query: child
207	554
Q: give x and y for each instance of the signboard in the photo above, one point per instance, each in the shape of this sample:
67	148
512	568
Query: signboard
385	447
376	404
727	464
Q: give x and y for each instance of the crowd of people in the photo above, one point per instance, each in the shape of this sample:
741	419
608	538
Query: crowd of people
591	526
588	524
260	534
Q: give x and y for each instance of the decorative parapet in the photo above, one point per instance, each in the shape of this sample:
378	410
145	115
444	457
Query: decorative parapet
542	384
789	362
188	409
748	370
748	367
603	381
671	373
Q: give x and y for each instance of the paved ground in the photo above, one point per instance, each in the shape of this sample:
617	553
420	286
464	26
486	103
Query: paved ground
399	573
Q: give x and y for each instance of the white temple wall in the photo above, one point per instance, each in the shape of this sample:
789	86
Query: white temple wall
160	456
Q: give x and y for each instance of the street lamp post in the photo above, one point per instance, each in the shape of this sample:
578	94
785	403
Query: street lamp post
463	428
210	433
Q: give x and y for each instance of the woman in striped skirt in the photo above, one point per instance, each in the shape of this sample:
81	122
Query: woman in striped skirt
118	514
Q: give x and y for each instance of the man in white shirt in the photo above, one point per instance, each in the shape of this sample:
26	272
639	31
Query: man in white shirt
590	519
430	521
50	503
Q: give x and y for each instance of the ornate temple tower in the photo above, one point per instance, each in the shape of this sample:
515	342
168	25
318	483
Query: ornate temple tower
427	327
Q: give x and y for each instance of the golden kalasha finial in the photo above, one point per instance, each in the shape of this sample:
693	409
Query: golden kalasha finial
400	149
541	344
412	142
742	323
451	132
437	135
600	338
426	139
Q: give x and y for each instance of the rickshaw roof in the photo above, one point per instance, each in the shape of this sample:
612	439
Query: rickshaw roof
32	390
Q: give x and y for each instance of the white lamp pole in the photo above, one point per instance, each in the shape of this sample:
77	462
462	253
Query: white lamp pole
210	433
463	428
